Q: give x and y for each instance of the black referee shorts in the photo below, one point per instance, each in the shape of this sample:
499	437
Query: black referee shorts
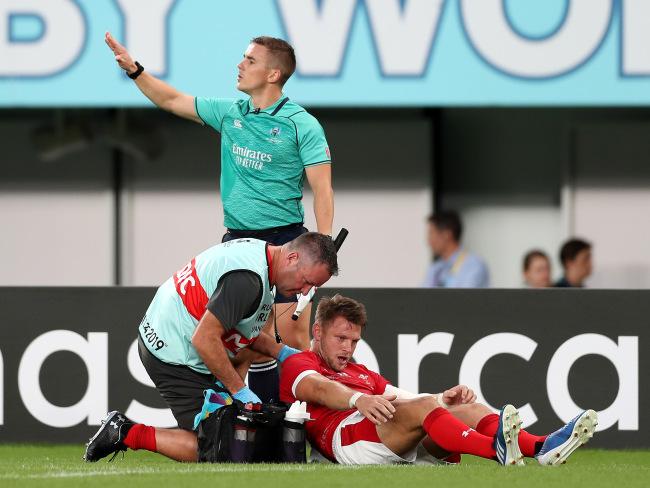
275	236
181	387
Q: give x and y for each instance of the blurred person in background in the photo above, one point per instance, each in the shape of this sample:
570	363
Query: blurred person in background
268	145
454	267
575	256
537	269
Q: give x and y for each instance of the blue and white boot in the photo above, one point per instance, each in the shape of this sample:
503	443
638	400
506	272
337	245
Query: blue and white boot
506	440
559	445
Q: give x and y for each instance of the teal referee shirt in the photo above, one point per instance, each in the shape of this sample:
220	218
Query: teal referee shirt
263	157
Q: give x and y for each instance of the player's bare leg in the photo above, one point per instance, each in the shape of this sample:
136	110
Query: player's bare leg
405	431
416	418
470	413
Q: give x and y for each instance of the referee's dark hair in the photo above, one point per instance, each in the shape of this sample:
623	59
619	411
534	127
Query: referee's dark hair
571	248
283	54
448	220
319	248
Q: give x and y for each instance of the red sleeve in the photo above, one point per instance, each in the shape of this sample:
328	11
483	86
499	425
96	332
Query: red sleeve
292	367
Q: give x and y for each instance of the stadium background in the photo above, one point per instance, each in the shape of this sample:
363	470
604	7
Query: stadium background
531	118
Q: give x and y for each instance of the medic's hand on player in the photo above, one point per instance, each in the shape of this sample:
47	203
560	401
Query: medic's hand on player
285	352
458	395
376	408
122	56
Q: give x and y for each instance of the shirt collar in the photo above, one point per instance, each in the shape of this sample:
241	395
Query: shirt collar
268	110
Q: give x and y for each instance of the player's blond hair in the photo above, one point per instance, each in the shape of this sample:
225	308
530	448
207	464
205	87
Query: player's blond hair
329	308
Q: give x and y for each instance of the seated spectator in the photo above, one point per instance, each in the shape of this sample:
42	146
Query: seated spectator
454	267
537	269
575	256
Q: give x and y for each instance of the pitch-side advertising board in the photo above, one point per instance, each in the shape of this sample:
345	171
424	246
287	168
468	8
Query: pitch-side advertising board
68	355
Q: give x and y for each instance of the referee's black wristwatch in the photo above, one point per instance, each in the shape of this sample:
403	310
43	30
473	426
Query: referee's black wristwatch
137	72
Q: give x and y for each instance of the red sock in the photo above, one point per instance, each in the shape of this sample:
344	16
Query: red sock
488	425
141	436
454	436
528	443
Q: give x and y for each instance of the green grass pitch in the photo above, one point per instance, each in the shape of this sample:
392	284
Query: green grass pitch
61	466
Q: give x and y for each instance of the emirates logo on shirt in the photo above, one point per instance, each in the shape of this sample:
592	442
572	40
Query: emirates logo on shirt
250	158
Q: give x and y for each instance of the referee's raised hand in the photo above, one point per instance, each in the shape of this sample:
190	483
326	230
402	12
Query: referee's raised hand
122	56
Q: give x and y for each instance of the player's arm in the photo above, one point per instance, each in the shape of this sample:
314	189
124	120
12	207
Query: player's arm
315	388
457	395
207	342
402	394
320	181
159	92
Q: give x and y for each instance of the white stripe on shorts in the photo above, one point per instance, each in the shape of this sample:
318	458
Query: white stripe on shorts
365	452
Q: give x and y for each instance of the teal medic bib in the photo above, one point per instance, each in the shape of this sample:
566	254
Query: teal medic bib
180	302
263	157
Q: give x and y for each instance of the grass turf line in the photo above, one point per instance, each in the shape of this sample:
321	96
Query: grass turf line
61	465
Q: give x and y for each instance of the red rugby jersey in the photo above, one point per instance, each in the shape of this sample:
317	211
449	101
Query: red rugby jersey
320	430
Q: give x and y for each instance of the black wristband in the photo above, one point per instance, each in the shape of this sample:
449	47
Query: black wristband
137	72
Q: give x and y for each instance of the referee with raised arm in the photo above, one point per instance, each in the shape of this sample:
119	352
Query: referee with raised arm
268	144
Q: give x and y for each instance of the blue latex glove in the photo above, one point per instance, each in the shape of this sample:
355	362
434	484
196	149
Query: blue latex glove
285	352
246	395
212	401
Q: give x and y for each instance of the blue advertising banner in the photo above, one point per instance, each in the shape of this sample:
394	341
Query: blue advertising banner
349	52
